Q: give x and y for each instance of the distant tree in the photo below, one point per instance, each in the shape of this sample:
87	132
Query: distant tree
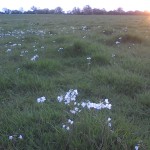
58	10
76	11
87	10
43	11
34	9
6	11
52	11
97	11
120	11
16	12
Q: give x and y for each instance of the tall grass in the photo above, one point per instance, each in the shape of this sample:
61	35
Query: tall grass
119	72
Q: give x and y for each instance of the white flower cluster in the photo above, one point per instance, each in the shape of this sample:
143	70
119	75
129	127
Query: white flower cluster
75	110
11	137
34	58
69	122
60	49
89	60
41	99
70	96
109	122
98	106
119	41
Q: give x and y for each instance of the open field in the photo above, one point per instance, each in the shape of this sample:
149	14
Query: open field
103	59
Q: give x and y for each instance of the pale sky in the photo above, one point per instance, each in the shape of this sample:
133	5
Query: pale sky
69	4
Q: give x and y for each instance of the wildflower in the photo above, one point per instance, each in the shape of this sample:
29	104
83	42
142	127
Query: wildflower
117	42
60	98
83	104
76	108
88	58
41	99
34	58
64	126
70	96
67	128
109	119
10	137
13	44
106	101
109	124
108	106
73	111
136	147
20	137
70	121
60	49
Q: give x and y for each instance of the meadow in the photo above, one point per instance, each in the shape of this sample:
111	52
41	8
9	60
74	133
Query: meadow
74	82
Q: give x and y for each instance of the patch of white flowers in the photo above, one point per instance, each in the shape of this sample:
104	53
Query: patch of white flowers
89	60
11	137
60	49
41	99
70	98
34	58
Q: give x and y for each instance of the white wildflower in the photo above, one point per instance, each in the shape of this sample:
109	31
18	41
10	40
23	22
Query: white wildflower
60	49
60	98
88	58
83	104
64	126
73	111
20	137
67	128
70	121
13	44
10	137
41	99
106	101
117	42
34	58
109	119
136	147
109	124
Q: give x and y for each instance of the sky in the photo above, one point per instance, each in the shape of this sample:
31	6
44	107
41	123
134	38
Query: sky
142	5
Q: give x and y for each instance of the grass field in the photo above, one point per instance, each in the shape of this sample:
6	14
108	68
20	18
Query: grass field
74	82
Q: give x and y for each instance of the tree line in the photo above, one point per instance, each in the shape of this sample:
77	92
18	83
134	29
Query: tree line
87	10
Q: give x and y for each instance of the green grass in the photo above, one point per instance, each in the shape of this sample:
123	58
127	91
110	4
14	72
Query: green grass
119	72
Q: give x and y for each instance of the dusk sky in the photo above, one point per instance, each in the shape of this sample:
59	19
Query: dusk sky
141	5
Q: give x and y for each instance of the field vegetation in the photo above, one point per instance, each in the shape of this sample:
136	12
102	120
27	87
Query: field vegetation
72	82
